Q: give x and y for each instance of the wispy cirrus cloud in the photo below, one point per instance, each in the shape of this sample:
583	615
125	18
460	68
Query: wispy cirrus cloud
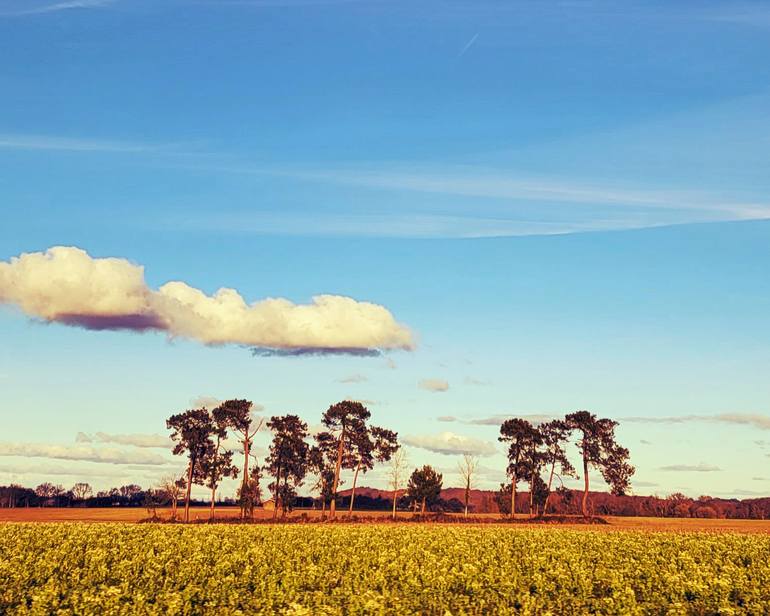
74	144
30	7
468	181
512	205
754	420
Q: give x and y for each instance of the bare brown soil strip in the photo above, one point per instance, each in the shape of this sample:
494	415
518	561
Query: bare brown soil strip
124	514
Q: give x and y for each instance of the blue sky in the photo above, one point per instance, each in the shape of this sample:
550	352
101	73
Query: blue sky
567	204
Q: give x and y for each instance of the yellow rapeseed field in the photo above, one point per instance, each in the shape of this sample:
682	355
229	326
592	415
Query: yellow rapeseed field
377	569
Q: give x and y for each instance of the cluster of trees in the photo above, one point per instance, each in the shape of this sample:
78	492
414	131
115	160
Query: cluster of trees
534	450
348	442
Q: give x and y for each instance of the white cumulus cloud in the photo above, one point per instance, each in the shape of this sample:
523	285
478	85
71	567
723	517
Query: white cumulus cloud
66	285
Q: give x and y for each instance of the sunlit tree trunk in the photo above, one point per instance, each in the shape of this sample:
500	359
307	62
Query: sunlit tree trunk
246	444
214	473
277	492
395	500
337	468
585	484
187	493
422	511
513	496
550	482
353	491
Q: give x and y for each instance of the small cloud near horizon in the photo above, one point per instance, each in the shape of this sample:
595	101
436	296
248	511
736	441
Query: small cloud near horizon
434	385
448	443
702	467
135	440
755	420
353	378
81	452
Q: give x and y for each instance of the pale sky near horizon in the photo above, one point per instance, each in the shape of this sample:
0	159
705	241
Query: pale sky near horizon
567	205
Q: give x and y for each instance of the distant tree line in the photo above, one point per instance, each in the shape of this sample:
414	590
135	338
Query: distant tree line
80	495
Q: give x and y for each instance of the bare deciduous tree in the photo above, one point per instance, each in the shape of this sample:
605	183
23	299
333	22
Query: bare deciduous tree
468	468
81	491
397	474
173	488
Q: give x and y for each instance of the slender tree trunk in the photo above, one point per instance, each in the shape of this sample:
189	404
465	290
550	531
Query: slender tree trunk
337	468
353	491
513	496
285	492
189	487
277	490
550	482
422	511
467	494
323	506
395	500
531	497
585	484
214	473
246	444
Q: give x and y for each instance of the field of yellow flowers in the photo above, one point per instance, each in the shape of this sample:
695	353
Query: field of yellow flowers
376	569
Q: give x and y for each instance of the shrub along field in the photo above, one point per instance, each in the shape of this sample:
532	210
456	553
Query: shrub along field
312	569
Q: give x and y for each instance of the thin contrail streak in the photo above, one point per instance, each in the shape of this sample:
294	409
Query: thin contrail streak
468	45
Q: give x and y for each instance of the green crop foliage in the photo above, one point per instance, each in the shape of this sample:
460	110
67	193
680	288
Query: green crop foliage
377	569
